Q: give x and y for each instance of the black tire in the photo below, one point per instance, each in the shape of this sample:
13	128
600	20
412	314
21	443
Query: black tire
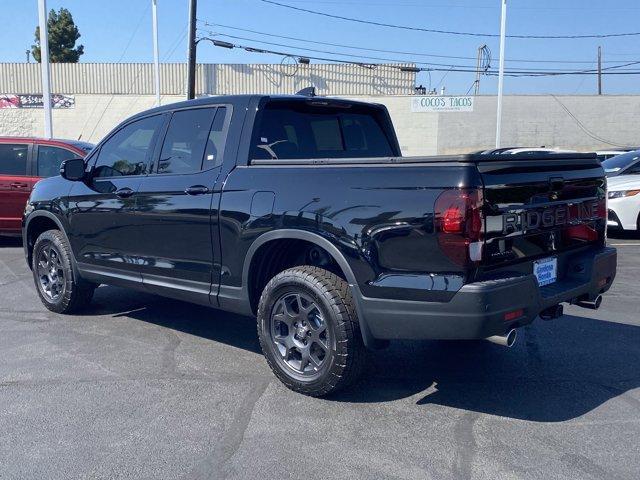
65	293
335	361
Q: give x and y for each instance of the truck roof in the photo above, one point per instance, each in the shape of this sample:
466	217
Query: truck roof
241	100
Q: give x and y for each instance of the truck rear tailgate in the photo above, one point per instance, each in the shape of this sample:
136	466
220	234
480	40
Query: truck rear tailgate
540	207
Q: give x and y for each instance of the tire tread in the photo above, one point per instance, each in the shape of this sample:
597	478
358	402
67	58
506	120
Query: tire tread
350	355
78	293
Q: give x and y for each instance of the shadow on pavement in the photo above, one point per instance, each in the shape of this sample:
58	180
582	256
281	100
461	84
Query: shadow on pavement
204	322
623	234
557	370
10	242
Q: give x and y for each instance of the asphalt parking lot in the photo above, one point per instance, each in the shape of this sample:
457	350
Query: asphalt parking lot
144	387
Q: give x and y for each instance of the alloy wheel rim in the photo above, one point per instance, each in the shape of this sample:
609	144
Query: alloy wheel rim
299	334
51	272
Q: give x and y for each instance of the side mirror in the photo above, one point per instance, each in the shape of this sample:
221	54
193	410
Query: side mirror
72	169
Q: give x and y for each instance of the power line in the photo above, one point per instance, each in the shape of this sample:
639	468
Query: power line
398	52
447	32
400	64
362	57
585	129
124	52
367	3
366	57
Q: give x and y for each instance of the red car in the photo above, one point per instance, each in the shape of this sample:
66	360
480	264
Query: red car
24	161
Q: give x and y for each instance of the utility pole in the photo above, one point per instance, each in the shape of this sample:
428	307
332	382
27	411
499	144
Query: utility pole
191	40
599	70
44	67
156	50
503	28
28	52
479	69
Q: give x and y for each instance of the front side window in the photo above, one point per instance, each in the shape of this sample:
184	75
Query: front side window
50	158
129	150
187	138
13	159
298	131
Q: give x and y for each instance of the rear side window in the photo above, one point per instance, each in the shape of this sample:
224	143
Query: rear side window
129	150
216	141
13	159
298	130
50	158
188	138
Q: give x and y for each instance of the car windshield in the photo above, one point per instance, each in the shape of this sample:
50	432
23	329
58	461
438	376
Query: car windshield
618	163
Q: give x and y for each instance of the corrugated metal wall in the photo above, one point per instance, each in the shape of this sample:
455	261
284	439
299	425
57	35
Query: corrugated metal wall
211	79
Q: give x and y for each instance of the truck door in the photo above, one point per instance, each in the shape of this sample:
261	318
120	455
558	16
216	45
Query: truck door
178	232
103	229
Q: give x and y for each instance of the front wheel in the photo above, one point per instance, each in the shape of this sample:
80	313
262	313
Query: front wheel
309	332
58	288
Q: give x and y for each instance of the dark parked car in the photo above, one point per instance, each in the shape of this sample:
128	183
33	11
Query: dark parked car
24	161
301	211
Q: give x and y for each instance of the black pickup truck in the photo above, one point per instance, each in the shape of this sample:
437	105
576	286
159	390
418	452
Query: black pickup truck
300	210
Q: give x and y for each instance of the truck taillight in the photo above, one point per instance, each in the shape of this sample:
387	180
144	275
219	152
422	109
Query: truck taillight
458	224
602	208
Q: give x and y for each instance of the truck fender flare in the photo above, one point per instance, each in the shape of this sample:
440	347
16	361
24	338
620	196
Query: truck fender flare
335	253
56	220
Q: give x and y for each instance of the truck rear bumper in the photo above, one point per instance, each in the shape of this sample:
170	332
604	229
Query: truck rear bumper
487	308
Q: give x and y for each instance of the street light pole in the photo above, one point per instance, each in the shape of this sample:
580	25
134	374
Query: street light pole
503	28
156	50
44	67
191	40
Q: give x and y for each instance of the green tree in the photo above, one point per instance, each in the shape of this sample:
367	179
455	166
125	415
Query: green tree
63	35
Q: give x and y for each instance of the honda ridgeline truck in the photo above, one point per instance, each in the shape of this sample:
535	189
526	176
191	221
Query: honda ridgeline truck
301	211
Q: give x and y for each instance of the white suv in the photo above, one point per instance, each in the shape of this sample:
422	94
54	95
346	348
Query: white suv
624	202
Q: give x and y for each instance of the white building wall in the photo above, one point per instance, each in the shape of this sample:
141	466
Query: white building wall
528	121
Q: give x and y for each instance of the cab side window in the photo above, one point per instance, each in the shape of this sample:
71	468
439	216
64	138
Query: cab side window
13	159
50	158
129	150
215	143
186	140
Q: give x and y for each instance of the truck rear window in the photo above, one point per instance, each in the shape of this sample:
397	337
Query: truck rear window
297	130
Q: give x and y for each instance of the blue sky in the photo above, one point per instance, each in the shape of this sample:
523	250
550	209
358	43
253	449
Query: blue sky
120	30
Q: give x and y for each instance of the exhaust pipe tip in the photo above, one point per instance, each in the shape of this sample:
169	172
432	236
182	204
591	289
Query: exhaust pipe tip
506	340
598	302
593	305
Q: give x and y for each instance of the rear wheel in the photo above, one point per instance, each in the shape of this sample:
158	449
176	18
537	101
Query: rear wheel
309	332
58	288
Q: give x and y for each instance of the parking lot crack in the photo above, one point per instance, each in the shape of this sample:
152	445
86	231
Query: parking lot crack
169	363
466	444
217	465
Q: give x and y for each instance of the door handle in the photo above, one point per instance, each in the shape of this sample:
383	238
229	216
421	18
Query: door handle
19	185
197	190
124	192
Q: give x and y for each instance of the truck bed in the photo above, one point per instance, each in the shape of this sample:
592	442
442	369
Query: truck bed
431	159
